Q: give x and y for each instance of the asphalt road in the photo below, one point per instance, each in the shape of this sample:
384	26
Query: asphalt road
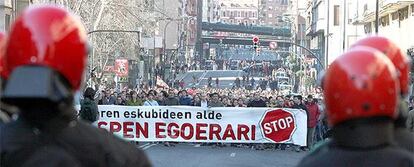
189	155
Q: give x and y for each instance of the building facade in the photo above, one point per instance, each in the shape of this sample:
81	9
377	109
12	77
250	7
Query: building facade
271	12
238	13
396	21
9	9
332	27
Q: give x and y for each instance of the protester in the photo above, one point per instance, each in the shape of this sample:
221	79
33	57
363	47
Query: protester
209	82
120	101
239	103
89	109
171	100
203	100
107	99
134	101
298	104
161	98
196	101
280	102
184	98
256	102
215	102
151	100
313	111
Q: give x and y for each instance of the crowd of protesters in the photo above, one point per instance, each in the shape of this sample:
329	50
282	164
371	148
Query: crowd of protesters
213	97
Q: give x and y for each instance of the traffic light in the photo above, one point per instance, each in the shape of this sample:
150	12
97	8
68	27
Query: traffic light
255	42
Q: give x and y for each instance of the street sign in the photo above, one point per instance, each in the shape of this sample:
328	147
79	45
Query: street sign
109	68
278	125
273	45
121	67
122	79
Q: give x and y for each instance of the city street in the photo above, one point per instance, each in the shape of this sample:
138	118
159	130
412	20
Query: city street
207	156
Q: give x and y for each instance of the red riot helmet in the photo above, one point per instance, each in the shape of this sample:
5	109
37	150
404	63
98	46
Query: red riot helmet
361	83
52	37
401	61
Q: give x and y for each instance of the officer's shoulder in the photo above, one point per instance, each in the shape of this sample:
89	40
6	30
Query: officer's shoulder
320	147
316	157
114	144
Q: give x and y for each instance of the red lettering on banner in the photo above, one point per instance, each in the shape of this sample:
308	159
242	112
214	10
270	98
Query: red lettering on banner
126	129
242	130
200	131
253	132
229	133
173	133
102	123
183	130
141	130
158	130
186	131
114	127
215	129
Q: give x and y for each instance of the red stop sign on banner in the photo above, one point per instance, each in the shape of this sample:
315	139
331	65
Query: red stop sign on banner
278	125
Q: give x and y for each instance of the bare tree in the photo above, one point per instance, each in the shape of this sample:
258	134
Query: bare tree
112	15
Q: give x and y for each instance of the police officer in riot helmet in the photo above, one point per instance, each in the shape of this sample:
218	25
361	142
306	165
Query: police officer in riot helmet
46	55
361	92
5	110
402	63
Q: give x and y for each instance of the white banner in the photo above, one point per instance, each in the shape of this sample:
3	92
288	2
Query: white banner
196	124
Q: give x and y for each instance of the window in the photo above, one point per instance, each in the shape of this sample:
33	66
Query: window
7	20
254	14
367	28
336	15
412	8
385	21
394	16
238	14
223	14
403	13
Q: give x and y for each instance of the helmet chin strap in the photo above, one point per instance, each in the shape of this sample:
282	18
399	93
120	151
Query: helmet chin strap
39	92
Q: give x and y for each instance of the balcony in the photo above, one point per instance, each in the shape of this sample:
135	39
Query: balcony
386	7
310	29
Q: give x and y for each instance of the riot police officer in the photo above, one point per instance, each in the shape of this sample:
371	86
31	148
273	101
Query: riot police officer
46	56
402	63
361	92
4	113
